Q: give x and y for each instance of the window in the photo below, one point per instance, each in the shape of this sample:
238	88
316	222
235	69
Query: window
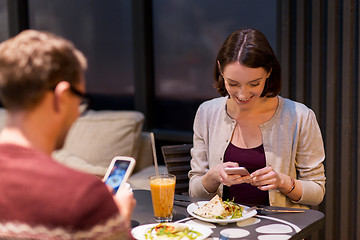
4	24
187	37
103	31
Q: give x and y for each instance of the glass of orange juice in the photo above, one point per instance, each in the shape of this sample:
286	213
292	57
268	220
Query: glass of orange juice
162	193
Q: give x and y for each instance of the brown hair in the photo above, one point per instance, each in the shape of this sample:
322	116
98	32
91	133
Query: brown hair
34	62
250	48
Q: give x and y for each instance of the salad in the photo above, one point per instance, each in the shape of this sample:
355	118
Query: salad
233	209
171	231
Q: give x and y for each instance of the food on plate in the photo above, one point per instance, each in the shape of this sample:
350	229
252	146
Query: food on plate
216	208
164	231
212	208
169	228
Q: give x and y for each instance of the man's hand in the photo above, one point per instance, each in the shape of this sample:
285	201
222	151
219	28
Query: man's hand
125	201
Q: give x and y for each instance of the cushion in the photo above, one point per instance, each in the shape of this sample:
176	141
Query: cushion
96	138
2	118
140	180
145	155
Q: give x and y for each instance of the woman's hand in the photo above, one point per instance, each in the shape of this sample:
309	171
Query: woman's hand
266	179
233	179
217	175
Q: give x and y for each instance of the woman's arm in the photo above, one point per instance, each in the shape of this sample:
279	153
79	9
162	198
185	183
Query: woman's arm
309	161
199	161
294	148
212	133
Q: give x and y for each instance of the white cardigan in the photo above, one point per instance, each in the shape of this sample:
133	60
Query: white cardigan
292	142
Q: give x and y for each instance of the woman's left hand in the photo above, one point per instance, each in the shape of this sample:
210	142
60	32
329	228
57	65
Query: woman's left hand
266	179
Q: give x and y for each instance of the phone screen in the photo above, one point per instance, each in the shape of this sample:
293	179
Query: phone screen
117	174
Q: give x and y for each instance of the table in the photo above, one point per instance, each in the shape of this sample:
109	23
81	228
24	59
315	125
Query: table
302	224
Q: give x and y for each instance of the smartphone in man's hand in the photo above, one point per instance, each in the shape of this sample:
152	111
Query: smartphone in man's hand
118	172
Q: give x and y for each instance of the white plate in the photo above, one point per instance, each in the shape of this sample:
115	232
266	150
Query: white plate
193	207
139	231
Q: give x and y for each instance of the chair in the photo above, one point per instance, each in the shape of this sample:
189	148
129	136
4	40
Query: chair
177	160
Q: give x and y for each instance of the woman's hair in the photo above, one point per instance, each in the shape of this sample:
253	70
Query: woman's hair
34	62
250	48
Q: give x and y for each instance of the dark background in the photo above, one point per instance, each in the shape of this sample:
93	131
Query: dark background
157	57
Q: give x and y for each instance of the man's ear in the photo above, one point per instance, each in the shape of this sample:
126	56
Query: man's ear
60	92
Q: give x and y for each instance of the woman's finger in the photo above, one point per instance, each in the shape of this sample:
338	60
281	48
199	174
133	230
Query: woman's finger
236	180
267	187
261	171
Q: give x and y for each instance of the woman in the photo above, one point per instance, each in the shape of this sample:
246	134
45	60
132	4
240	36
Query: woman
276	139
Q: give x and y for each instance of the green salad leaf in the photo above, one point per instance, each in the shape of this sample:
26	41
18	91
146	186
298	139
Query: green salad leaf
185	234
233	208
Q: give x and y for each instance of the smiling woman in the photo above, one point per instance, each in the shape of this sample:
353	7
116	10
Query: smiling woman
253	52
253	127
243	83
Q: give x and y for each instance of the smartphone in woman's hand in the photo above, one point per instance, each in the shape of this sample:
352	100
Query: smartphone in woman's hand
237	170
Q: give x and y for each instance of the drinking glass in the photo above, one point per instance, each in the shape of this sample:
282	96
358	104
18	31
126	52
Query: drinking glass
162	193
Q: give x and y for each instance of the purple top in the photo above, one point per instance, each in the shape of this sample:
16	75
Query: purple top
252	159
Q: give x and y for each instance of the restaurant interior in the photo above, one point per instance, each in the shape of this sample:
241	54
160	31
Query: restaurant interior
157	57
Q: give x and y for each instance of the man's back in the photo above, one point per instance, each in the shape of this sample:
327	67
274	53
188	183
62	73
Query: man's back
40	192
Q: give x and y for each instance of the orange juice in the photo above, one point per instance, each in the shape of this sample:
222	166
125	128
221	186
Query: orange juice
162	193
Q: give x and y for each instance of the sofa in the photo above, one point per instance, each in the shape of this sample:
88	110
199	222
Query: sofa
98	136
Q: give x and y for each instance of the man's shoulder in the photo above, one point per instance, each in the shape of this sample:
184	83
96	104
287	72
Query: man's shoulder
75	198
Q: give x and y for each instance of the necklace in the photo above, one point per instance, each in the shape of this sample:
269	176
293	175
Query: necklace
239	139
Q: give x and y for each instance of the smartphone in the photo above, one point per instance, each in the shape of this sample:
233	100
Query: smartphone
118	172
237	170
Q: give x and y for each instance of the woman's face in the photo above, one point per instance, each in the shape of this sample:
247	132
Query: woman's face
244	84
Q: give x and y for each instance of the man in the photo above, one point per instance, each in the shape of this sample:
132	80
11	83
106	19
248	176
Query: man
42	86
